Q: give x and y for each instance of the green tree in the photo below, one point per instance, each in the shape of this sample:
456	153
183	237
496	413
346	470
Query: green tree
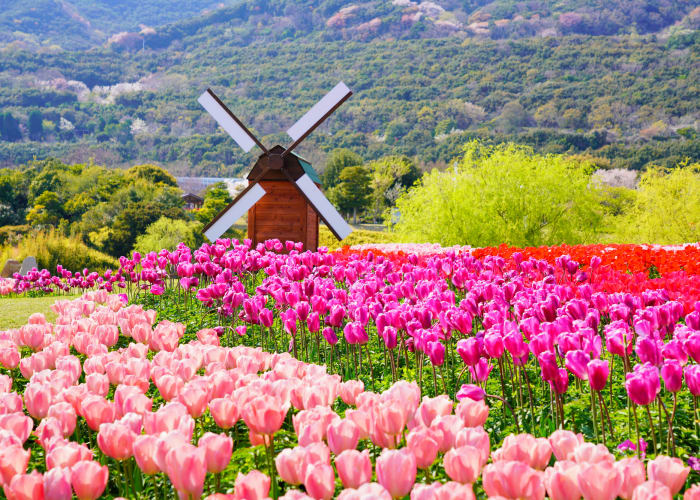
666	208
390	176
337	161
353	191
502	194
167	233
35	124
47	209
513	116
151	173
216	198
9	129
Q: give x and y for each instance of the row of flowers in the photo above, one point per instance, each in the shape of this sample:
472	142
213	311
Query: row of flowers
104	408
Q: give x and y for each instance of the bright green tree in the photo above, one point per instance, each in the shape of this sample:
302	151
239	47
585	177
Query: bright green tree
337	161
390	176
216	199
47	209
167	233
502	194
352	194
666	208
151	173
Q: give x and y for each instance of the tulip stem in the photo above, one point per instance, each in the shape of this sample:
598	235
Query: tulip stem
529	393
607	414
651	426
671	439
636	425
595	418
371	368
505	403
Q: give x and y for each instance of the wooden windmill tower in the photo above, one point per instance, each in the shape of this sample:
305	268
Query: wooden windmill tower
283	199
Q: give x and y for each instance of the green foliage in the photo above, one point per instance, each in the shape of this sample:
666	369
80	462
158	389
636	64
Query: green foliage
352	192
216	199
337	161
666	208
167	233
51	248
47	210
357	237
35	124
502	194
9	128
152	174
390	177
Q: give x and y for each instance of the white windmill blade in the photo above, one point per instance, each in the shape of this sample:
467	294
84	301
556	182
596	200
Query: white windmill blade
228	121
323	207
321	110
233	212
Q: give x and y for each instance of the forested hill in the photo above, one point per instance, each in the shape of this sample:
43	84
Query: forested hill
117	81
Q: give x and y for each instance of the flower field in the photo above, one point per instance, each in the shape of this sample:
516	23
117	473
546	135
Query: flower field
370	372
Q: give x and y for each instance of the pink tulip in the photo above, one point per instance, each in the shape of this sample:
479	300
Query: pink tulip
37	399
89	479
692	493
424	445
97	383
632	472
290	465
343	435
589	453
264	414
67	455
57	484
350	389
224	412
643	384
564	443
65	415
669	471
13	461
369	491
396	471
320	481
478	438
525	448
354	468
144	448
116	441
561	481
513	480
463	464
218	450
18	424
473	413
25	487
254	485
598	371
652	490
97	410
599	481
186	467
431	408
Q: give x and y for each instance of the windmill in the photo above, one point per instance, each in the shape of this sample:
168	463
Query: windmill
283	199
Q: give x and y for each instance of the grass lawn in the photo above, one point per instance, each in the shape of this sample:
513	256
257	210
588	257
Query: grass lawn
14	312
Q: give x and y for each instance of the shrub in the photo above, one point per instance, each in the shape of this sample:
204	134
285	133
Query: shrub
51	248
357	237
502	194
167	233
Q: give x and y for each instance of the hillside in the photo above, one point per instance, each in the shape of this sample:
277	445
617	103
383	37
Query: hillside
627	96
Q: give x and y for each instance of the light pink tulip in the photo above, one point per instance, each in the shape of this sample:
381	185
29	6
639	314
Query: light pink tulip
599	481
424	445
320	481
369	491
463	464
144	448
354	468
473	413
37	399
652	490
26	487
396	471
290	465
692	493
561	481
254	485
57	484
67	455
116	441
669	471
17	423
476	437
65	414
430	408
525	448
632	472
186	467
13	461
265	415
349	391
564	443
513	480
224	412
589	453
97	410
89	479
218	450
343	435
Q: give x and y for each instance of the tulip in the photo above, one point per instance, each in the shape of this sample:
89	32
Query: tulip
692	493
218	450
89	479
25	487
669	471
290	465
57	484
186	467
692	379
424	445
632	472
13	461
265	415
343	435
672	375
224	412
525	448
599	481
65	414
320	481
513	480
463	464
255	484
470	391
396	471
116	441
561	481
17	423
67	455
349	391
598	371
652	490
354	468
144	448
473	413
564	443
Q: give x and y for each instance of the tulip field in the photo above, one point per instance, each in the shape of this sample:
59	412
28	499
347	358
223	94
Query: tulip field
377	372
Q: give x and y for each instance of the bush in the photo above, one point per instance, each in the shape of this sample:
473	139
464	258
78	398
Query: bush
357	237
167	233
502	194
51	248
666	208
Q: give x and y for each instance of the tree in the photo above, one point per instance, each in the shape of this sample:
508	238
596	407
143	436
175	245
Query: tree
9	128
151	173
390	177
337	161
168	233
216	199
35	124
47	209
502	194
666	208
353	191
513	116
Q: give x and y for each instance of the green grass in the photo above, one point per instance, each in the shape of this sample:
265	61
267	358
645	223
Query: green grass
14	312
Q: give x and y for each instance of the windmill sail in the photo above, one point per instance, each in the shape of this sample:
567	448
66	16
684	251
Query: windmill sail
234	211
228	121
323	207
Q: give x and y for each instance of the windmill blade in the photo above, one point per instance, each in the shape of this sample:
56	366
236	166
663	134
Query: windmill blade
316	115
228	216
229	122
323	207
